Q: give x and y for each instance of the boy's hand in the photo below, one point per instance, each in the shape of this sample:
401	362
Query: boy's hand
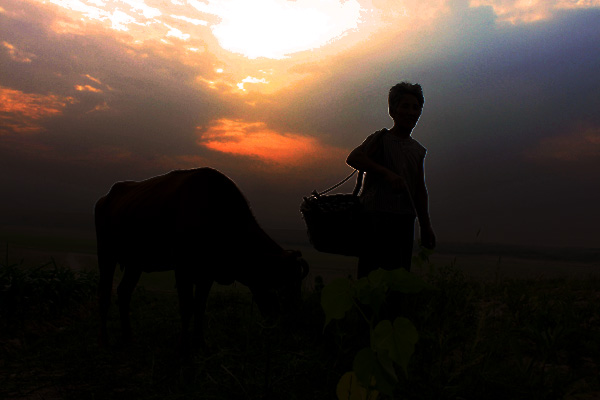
427	237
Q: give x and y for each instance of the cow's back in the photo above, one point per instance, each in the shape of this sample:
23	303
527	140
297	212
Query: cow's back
182	192
161	217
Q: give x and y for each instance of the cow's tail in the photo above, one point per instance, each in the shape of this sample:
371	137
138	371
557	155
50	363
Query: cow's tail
106	267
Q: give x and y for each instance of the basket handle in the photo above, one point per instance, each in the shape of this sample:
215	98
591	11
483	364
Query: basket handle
359	182
356	188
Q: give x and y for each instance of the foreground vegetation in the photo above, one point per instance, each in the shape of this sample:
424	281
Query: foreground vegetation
509	339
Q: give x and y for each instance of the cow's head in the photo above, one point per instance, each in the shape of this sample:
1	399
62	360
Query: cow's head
278	289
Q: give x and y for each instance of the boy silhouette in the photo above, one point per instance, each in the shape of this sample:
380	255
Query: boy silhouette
394	191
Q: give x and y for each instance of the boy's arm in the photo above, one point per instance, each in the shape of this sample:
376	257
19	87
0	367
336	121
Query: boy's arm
422	208
360	159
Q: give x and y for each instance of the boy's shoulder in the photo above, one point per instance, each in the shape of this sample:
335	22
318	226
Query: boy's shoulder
378	134
415	142
374	138
417	146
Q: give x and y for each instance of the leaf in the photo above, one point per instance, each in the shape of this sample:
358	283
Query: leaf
364	365
422	256
379	278
387	365
397	340
337	299
406	336
362	287
348	388
400	280
368	295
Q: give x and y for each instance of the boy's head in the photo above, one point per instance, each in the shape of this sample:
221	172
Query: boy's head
402	88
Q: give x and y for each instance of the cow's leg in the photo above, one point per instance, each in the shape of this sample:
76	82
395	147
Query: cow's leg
185	292
106	267
130	279
201	297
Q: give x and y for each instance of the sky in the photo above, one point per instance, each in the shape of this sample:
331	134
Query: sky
276	93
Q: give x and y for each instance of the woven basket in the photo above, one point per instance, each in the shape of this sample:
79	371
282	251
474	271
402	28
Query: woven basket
334	223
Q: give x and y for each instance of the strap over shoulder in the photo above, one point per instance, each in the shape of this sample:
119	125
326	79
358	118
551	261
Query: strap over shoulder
374	146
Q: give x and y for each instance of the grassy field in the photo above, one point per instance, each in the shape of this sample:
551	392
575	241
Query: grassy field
491	329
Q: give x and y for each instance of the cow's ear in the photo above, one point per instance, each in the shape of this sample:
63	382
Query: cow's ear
303	268
293	254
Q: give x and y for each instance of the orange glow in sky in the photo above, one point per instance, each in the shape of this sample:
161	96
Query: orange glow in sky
580	144
19	112
255	139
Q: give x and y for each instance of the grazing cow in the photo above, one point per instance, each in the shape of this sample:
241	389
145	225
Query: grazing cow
197	223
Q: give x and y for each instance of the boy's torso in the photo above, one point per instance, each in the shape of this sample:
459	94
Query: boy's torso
403	156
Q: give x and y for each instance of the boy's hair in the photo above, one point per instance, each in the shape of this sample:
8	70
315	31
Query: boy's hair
405	88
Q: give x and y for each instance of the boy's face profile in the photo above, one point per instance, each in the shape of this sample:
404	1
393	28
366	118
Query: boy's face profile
407	112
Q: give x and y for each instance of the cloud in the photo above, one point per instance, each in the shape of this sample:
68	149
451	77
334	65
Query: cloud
91	78
262	28
24	112
141	6
256	140
190	20
250	79
18	55
99	107
519	11
87	88
174	32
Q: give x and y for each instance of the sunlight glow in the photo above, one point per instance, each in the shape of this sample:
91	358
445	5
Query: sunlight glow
177	33
260	28
190	20
120	20
140	5
277	28
250	79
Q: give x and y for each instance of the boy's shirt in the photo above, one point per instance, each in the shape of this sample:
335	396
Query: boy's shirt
403	156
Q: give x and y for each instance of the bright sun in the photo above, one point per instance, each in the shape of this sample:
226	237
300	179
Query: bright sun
254	28
276	28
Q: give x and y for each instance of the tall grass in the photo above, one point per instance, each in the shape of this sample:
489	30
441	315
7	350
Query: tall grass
41	293
504	339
